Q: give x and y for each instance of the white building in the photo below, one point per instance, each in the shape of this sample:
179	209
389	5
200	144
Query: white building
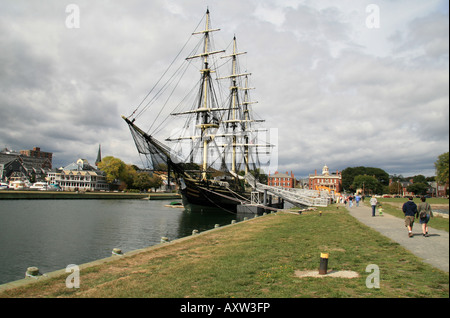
79	176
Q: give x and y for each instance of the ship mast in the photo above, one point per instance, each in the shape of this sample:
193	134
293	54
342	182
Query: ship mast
207	121
234	88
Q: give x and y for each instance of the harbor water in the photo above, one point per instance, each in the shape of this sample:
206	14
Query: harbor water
51	234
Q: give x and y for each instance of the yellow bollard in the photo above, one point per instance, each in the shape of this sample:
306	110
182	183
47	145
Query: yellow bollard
323	267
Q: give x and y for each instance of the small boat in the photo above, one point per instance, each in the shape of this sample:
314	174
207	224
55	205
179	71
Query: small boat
17	183
4	186
41	186
175	205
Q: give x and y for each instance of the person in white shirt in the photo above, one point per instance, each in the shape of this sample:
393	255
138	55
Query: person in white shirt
373	203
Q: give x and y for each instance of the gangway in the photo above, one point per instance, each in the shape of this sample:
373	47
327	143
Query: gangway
298	197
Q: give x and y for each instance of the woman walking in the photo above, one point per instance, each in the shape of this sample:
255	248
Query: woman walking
425	213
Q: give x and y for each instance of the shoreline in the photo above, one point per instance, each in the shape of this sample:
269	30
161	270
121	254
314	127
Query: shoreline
114	257
63	195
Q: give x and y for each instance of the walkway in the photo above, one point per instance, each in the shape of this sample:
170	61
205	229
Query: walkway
298	197
433	249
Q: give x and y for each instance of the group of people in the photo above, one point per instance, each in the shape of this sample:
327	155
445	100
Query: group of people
352	200
412	211
422	212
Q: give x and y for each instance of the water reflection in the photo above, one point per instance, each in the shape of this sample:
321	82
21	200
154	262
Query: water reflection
51	234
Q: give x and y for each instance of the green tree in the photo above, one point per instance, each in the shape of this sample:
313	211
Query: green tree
418	188
156	181
348	174
395	188
142	181
368	183
442	169
128	175
419	179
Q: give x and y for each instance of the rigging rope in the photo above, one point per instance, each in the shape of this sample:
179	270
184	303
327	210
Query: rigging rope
165	72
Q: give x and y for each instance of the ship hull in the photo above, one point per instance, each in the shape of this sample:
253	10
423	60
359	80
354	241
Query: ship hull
199	196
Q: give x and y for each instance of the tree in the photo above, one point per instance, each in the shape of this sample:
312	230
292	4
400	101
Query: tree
113	167
419	179
395	188
117	172
442	169
128	176
348	174
156	182
418	188
142	181
368	183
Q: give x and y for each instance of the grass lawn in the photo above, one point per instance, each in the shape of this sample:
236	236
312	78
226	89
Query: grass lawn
258	258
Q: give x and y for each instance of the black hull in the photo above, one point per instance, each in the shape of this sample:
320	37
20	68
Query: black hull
201	197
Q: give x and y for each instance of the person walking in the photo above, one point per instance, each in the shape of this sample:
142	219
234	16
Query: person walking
357	199
350	201
410	210
373	203
424	211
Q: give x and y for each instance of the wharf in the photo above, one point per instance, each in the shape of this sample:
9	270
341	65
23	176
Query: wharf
63	195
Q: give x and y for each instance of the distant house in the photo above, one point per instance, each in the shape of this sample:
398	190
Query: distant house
439	190
37	153
17	165
79	176
165	182
9	164
283	180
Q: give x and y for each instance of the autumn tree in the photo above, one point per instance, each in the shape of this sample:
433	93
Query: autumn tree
113	167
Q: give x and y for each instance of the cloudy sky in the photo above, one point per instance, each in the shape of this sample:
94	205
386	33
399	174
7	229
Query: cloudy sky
345	83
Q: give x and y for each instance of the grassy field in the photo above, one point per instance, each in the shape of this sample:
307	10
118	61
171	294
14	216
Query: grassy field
258	258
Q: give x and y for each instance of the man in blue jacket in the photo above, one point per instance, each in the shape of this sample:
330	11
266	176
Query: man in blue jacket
410	210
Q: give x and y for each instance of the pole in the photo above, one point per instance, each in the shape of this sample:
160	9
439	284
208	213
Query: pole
323	267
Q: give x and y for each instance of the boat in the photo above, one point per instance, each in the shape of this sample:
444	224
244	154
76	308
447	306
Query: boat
41	186
4	186
17	183
218	142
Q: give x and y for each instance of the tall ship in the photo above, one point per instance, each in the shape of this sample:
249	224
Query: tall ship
218	145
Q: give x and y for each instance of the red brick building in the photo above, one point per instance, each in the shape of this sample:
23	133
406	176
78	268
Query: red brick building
37	153
331	182
283	180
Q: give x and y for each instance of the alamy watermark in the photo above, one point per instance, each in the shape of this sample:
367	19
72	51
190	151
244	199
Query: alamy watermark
73	280
259	143
373	19
73	19
373	280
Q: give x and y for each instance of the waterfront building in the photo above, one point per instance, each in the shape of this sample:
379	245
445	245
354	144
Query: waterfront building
8	165
79	176
13	164
37	153
326	181
283	180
